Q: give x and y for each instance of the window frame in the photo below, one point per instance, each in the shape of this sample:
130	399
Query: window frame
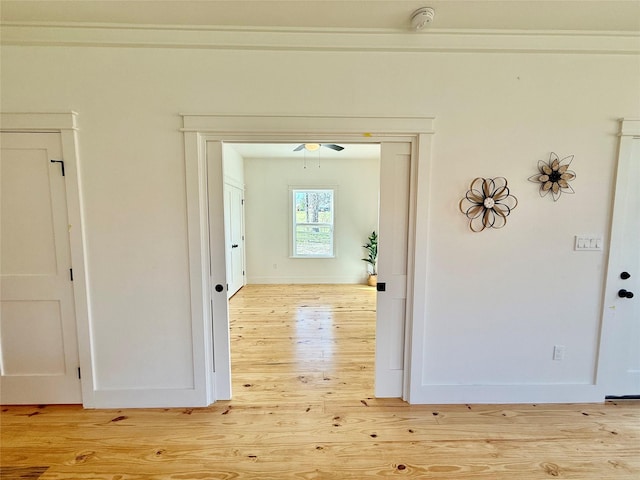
293	221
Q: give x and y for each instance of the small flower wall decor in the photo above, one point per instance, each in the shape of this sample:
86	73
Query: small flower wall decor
488	203
554	176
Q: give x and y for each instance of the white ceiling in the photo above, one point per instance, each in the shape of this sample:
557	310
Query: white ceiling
586	15
286	150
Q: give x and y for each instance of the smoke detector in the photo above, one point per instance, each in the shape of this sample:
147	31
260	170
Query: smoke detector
422	17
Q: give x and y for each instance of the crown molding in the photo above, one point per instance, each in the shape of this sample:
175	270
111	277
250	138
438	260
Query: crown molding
381	40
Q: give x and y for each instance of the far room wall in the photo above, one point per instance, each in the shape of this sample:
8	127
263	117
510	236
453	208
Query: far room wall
268	218
233	166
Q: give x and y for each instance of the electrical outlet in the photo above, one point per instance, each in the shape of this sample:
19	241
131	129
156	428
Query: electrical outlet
558	352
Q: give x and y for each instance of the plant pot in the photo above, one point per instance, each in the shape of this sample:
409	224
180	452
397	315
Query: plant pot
373	280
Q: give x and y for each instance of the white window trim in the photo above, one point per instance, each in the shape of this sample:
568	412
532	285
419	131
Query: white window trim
292	219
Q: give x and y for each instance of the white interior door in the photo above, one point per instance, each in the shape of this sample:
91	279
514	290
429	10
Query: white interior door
38	342
395	174
620	364
218	273
234	220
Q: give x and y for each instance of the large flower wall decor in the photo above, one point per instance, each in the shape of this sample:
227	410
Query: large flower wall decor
488	203
554	176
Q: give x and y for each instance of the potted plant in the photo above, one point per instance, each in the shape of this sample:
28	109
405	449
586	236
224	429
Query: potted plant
372	258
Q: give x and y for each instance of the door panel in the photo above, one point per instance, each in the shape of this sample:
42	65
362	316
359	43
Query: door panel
28	248
32	341
234	237
38	343
395	173
218	274
620	372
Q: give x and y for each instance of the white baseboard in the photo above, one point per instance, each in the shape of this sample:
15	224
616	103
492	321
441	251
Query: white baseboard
310	279
505	394
147	398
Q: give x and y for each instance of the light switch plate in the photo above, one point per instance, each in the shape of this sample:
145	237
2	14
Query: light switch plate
588	242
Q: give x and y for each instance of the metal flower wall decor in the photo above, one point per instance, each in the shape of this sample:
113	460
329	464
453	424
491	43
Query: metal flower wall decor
488	203
554	176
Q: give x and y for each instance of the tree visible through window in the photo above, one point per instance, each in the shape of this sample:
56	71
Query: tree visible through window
313	223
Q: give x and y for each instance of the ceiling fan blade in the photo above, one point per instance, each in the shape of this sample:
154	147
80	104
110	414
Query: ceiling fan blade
333	146
299	147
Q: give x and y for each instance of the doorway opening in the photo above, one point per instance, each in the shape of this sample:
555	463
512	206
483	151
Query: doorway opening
304	324
394	222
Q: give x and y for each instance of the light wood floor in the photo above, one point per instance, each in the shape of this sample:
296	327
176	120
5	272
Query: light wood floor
303	409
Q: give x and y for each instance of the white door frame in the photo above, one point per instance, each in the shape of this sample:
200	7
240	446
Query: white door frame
64	124
200	128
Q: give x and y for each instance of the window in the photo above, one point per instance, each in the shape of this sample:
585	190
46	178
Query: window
312	222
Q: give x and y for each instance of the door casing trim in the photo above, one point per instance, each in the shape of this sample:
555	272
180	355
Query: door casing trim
200	128
65	124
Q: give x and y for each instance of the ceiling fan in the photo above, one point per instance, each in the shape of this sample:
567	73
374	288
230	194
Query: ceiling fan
312	147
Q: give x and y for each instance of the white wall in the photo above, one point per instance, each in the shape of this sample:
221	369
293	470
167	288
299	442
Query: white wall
232	166
268	218
497	301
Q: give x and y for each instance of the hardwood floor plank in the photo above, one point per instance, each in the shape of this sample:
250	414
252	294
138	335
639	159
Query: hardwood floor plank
21	473
303	408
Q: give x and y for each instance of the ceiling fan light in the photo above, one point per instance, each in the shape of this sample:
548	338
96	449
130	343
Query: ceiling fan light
312	147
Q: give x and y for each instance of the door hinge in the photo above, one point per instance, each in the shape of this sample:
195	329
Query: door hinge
242	272
79	373
61	162
242	202
71	274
